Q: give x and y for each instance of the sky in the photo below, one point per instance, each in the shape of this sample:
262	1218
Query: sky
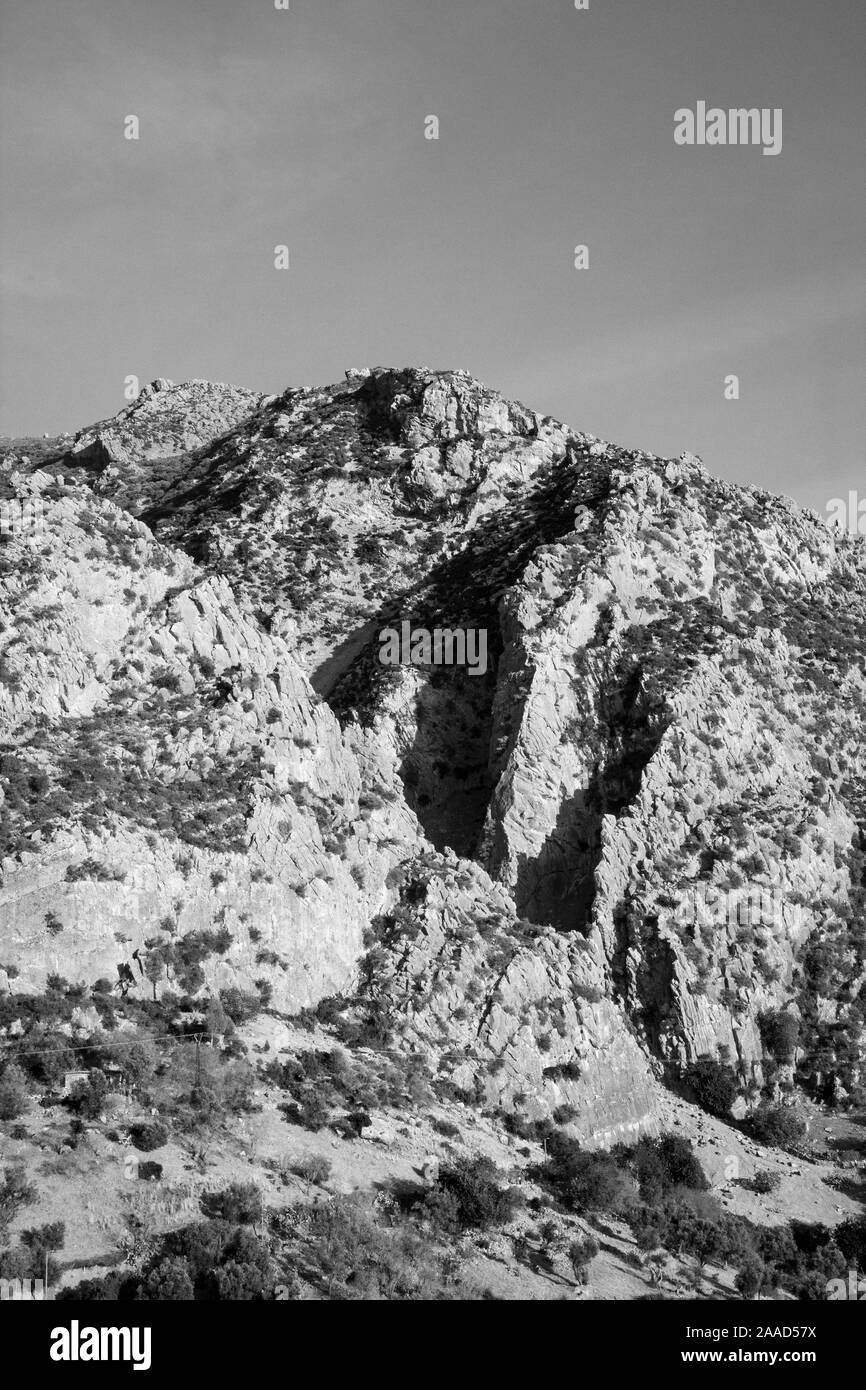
261	127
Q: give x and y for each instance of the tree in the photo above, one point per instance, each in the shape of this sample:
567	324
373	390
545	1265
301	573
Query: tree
581	1253
780	1033
714	1085
239	1005
88	1097
680	1163
850	1236
41	1241
218	1021
139	1061
16	1264
51	1056
750	1277
169	1281
584	1181
15	1192
13	1092
154	969
477	1199
49	1237
239	1281
706	1244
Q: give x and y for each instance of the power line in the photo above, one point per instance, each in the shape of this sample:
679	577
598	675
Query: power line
102	1047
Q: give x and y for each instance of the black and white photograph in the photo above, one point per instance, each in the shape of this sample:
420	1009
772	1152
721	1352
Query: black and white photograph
432	674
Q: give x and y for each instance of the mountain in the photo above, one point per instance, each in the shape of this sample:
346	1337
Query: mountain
636	840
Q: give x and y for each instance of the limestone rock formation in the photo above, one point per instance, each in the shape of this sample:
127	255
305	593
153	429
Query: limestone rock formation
637	835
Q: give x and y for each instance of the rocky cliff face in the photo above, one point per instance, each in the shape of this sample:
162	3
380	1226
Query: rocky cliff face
637	833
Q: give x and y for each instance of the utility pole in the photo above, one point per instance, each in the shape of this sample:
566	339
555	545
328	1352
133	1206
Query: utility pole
198	1060
265	1236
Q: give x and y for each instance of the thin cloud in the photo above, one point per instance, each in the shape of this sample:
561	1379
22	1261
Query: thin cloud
721	329
36	287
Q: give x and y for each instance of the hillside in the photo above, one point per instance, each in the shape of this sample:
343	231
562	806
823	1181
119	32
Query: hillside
638	840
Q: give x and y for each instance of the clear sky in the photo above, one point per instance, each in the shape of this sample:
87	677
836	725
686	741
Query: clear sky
259	127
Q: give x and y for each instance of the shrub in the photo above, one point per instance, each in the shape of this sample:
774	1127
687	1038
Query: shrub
312	1111
94	870
105	1290
581	1253
714	1085
352	1257
239	1203
564	1071
45	1238
209	1259
780	1034
750	1276
15	1192
353	1125
681	1163
765	1181
149	1135
776	1124
474	1198
16	1264
446	1128
314	1168
239	1005
205	1100
803	1256
850	1236
239	1281
662	1164
201	1245
169	1281
591	994
39	1243
227	1089
582	1181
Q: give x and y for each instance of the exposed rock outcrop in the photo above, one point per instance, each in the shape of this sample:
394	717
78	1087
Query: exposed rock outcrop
639	831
